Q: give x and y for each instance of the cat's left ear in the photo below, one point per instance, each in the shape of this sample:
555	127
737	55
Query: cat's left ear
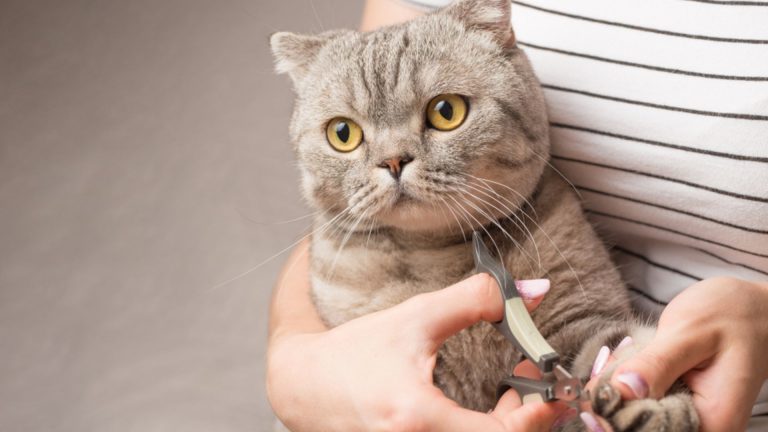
294	53
488	15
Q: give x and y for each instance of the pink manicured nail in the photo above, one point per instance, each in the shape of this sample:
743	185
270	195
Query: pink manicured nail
591	422
600	360
565	417
627	341
635	382
532	288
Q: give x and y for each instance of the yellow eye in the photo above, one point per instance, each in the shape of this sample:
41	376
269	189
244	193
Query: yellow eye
343	134
447	112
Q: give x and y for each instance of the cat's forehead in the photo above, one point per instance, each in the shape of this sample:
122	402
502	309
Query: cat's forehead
381	75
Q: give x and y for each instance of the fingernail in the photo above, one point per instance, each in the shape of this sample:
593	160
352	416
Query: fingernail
565	417
635	382
600	360
627	341
532	288
591	422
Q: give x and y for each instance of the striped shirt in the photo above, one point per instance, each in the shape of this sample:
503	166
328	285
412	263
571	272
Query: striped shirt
659	117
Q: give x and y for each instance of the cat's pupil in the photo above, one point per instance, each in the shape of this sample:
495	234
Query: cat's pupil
445	109
342	131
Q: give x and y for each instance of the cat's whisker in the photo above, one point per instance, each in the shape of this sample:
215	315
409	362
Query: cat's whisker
549	238
340	224
510	213
344	241
545	234
257	266
508	203
495	222
525	200
546	161
458	222
465	213
565	259
562	255
283	222
370	231
442	210
513	215
557	249
461	211
495	245
358	199
317	16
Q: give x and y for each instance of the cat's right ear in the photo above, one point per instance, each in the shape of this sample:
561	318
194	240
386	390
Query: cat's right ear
488	15
295	52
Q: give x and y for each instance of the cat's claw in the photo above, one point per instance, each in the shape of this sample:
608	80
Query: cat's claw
674	412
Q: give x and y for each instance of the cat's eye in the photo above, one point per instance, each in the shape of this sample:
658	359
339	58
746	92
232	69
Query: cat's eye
447	112
343	134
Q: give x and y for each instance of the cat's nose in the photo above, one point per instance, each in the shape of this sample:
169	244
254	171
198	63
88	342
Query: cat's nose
396	165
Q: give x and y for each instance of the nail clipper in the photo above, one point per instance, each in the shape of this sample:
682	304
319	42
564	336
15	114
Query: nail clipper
518	327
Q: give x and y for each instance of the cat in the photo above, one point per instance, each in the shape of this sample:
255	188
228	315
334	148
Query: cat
410	137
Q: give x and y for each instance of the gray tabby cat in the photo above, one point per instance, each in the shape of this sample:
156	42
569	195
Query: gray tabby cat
412	136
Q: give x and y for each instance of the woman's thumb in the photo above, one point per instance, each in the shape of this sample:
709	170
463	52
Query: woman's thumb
449	310
477	298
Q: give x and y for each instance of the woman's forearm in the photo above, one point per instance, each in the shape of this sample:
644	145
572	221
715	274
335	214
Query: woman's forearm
292	310
380	13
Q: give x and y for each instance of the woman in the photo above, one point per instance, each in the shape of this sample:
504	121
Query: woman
659	114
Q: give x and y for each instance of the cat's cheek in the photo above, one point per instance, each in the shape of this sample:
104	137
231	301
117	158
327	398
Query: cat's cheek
307	189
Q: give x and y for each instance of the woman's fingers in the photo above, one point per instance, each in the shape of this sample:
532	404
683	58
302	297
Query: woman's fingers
508	402
527	369
534	416
652	371
594	423
450	417
508	416
603	359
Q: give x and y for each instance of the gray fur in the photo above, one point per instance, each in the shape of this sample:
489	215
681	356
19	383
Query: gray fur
379	241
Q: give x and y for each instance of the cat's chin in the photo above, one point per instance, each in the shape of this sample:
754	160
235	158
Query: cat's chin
412	215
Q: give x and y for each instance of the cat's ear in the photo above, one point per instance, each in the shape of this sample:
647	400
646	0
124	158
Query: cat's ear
487	15
294	52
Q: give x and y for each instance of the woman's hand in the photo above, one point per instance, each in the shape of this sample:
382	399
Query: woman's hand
715	336
375	372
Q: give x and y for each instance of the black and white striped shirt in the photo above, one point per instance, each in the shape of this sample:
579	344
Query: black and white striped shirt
659	115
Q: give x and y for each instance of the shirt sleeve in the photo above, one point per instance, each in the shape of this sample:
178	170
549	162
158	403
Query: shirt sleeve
429	4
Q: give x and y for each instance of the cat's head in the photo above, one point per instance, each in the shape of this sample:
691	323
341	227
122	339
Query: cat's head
419	126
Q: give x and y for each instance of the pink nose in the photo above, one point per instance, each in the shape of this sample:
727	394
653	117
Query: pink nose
395	165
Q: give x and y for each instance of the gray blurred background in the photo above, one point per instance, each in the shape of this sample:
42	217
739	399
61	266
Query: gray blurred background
144	160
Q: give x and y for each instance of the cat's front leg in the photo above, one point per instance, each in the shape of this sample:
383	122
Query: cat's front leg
673	412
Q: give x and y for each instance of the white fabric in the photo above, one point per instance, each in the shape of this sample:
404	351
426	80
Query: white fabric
677	212
659	111
429	3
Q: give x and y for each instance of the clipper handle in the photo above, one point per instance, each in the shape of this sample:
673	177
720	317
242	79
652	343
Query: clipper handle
529	390
517	325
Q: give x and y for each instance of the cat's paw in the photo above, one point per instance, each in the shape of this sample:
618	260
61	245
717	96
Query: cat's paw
674	412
